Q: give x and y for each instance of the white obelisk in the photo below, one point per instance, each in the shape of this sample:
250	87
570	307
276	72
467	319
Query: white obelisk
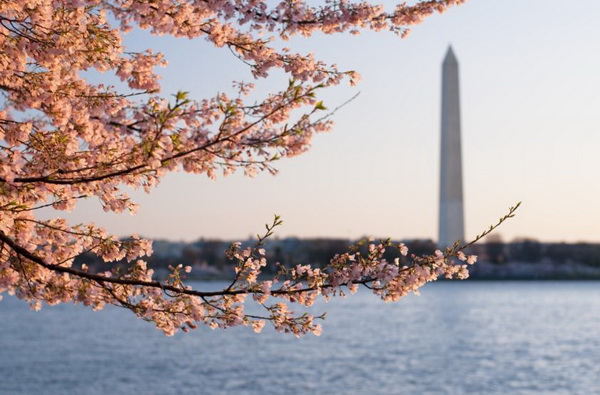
451	226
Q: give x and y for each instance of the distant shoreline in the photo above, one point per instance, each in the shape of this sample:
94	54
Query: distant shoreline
544	270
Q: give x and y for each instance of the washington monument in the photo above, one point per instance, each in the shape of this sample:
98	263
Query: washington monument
451	225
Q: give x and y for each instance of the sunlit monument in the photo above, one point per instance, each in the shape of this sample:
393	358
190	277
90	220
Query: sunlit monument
451	225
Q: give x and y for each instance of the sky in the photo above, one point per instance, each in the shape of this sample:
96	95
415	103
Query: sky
530	98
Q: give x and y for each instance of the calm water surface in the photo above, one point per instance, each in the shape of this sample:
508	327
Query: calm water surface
457	337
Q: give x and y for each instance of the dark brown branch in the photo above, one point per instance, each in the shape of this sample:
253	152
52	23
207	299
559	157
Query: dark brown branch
229	291
48	179
154	284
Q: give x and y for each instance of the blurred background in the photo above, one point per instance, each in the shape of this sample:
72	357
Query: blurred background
530	93
530	90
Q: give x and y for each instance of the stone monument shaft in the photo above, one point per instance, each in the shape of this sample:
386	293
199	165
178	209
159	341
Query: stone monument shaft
451	225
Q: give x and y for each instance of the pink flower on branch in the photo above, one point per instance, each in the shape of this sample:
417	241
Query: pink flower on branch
65	139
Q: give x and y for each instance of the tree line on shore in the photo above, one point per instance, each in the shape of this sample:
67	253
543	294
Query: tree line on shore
209	258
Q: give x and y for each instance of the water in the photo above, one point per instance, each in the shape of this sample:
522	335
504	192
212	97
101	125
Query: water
458	337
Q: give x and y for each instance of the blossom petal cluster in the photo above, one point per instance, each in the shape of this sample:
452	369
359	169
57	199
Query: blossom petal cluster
64	138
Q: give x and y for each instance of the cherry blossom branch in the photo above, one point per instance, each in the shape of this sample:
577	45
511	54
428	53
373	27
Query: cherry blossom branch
155	284
51	179
18	208
510	214
229	290
64	138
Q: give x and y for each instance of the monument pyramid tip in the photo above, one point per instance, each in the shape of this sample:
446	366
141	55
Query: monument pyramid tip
450	55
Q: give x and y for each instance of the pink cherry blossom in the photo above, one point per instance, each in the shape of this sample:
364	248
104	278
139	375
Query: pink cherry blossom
64	139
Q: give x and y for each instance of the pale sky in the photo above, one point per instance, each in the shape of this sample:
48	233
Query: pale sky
530	97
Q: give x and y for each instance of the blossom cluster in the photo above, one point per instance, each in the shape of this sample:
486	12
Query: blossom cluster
64	138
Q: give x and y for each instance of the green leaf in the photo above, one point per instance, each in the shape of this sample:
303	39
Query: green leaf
180	96
320	106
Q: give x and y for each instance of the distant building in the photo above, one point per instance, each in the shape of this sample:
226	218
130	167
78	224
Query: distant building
451	216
